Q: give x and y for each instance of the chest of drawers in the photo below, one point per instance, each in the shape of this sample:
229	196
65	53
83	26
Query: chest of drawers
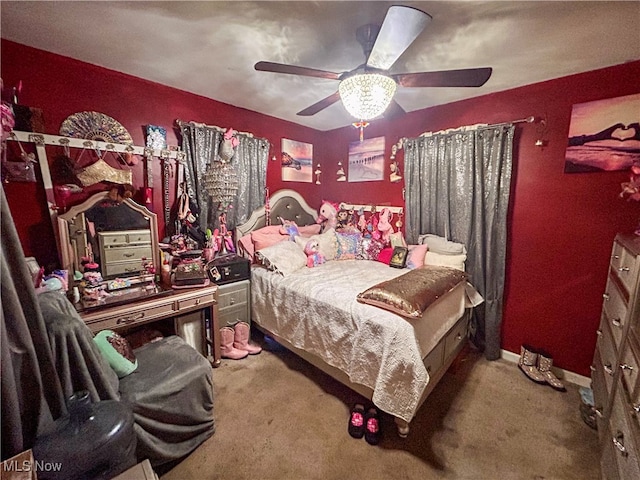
234	303
616	364
121	252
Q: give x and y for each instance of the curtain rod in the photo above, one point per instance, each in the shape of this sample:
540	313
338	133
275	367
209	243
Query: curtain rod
180	123
530	119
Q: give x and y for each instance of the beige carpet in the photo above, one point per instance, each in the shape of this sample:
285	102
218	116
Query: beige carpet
277	417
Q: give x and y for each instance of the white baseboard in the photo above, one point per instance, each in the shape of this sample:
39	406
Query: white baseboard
565	375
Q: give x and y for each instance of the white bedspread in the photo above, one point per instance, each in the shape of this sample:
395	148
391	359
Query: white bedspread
315	310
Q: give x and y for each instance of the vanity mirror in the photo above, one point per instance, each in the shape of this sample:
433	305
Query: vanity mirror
121	236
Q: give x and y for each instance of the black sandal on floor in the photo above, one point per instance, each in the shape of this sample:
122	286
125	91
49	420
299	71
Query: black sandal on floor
357	421
372	426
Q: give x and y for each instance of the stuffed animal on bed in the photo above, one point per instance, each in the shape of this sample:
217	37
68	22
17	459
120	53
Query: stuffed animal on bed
289	228
314	257
384	225
328	217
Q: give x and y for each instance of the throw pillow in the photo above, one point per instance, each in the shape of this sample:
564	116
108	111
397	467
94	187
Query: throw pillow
347	245
283	257
117	351
416	255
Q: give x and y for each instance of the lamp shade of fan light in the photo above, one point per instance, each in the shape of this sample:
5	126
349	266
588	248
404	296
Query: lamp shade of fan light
367	95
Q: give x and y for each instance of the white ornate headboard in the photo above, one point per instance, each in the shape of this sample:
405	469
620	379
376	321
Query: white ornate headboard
284	204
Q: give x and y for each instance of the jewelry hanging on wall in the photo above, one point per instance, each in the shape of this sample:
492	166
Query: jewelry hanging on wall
318	172
394	176
342	177
166	174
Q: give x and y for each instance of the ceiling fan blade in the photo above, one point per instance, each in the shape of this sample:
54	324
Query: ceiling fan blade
294	70
468	77
400	28
321	105
394	110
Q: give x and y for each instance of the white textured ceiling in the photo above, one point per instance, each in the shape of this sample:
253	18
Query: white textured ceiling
209	48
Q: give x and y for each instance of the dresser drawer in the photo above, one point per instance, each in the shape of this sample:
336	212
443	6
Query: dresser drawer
130	318
125	237
629	365
455	337
608	356
232	315
628	269
600	393
615	309
233	294
127	253
122	268
434	361
196	302
622	438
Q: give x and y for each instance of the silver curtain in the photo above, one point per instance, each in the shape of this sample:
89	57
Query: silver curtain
458	186
201	144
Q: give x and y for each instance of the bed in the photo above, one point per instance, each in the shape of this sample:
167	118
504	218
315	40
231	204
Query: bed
390	359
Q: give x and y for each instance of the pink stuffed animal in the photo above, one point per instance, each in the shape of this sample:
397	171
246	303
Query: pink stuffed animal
328	217
314	257
384	225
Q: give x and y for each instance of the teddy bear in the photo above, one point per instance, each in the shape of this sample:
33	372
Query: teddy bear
314	257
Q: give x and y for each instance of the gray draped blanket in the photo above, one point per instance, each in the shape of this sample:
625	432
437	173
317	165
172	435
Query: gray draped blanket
170	392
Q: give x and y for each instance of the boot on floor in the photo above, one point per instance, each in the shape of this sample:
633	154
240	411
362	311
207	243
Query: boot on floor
241	339
544	367
528	363
227	335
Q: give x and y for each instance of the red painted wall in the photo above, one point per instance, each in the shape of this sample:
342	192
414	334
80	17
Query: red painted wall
61	86
561	225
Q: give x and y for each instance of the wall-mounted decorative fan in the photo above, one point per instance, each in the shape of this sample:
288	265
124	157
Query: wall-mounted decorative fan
367	90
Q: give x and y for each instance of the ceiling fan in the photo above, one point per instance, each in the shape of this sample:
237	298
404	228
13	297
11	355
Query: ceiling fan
371	83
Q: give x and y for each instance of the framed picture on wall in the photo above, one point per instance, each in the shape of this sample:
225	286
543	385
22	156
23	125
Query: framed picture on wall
297	161
604	135
366	160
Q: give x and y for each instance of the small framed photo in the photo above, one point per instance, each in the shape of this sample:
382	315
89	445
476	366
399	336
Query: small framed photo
399	257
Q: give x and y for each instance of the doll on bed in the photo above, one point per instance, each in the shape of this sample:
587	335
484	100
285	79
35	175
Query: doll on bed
314	257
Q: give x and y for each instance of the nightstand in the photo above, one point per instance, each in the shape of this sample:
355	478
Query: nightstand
234	303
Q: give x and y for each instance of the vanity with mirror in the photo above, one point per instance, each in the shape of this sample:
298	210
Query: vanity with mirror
120	240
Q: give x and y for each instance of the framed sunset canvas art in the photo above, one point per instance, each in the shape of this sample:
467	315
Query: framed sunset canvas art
604	135
296	161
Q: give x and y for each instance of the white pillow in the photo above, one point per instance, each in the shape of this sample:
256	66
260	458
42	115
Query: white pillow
327	241
441	245
455	261
283	257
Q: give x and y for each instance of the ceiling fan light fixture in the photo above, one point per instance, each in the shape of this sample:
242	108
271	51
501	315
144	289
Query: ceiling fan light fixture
367	95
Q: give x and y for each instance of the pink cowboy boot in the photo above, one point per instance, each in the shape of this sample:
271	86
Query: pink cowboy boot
241	339
226	342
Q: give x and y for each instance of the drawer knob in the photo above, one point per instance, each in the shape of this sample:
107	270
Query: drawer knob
636	408
616	322
606	296
617	442
598	412
592	368
232	301
625	366
624	269
198	301
608	369
128	255
599	332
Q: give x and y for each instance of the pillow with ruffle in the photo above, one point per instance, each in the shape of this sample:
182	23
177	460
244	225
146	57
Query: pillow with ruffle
282	257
